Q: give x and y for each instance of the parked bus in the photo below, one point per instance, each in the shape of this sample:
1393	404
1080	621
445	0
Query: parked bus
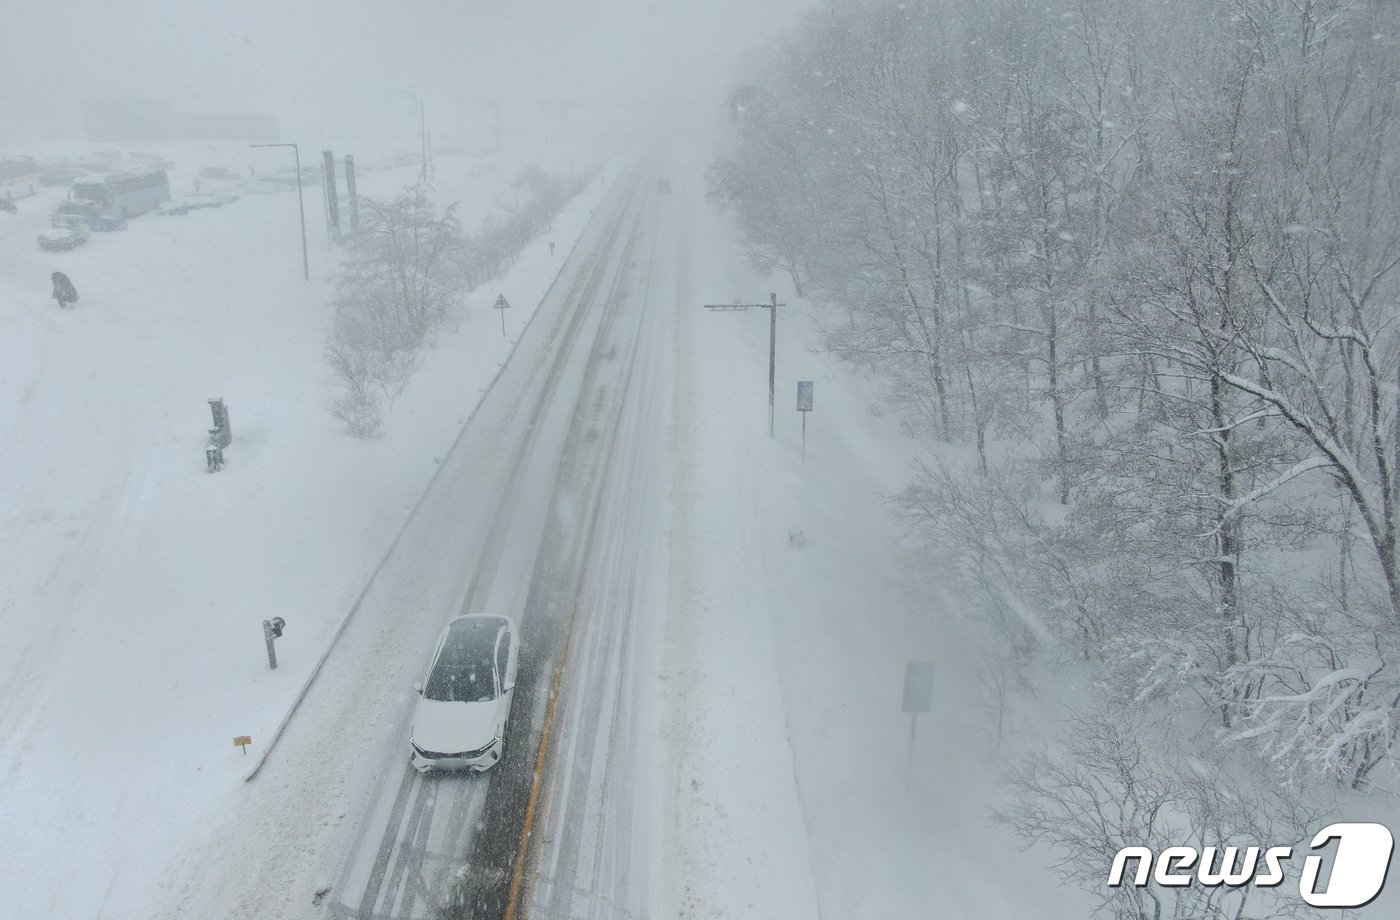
18	177
124	195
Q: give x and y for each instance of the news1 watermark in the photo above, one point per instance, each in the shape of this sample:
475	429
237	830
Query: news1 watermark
1356	875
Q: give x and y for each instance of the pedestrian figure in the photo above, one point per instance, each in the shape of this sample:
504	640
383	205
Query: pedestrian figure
196	185
551	248
63	290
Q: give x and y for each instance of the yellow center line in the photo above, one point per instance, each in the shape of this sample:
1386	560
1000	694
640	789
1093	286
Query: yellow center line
517	878
527	828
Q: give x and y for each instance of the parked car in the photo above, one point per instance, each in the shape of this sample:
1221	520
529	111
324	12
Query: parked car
310	175
89	213
187	203
460	720
73	231
7	204
220	173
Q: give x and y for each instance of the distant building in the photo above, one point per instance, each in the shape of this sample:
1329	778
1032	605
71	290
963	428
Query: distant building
124	119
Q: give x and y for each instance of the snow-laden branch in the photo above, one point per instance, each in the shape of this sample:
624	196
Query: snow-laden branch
1305	465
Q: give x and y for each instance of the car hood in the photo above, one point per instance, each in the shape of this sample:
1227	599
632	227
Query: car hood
452	728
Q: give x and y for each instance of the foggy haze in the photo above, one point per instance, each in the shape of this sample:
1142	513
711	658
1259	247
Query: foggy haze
266	56
356	349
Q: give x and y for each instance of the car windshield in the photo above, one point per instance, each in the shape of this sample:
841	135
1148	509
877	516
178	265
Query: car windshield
462	672
461	684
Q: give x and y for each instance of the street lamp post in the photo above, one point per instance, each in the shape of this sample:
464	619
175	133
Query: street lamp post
301	208
772	307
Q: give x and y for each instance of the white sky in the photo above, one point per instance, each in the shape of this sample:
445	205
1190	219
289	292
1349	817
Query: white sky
255	54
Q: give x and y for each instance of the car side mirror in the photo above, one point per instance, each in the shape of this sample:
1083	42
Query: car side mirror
418	688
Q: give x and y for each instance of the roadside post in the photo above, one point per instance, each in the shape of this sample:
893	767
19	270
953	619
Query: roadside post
220	436
350	190
918	697
503	306
272	629
772	306
804	405
332	197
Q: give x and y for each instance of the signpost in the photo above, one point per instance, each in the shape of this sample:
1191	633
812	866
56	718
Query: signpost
332	196
804	405
220	436
272	629
242	741
350	190
503	306
772	306
918	697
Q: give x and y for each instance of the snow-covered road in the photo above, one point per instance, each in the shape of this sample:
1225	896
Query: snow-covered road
482	539
720	627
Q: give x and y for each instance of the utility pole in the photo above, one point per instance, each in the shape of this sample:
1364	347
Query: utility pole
301	207
772	353
772	308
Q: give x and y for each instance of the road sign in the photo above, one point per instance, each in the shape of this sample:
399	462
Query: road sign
918	697
804	405
918	686
242	741
503	305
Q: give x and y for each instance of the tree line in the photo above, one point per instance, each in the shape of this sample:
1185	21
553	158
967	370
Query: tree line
1131	271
